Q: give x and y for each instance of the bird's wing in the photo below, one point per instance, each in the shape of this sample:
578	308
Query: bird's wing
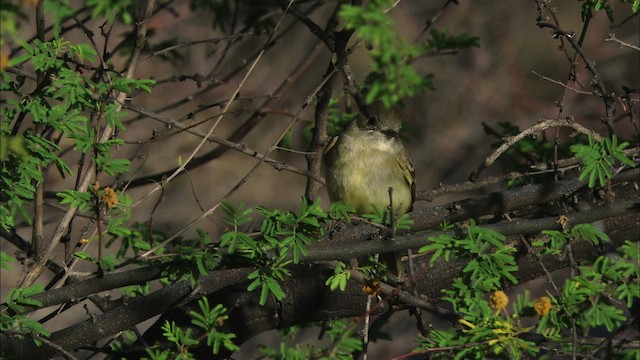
405	163
329	148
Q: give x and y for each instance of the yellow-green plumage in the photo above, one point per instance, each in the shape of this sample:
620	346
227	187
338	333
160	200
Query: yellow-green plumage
367	159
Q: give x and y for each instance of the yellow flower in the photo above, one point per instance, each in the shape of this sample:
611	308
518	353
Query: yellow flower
372	287
563	220
498	300
109	197
542	306
4	61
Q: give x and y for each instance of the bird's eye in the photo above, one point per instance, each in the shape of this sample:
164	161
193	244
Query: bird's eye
371	121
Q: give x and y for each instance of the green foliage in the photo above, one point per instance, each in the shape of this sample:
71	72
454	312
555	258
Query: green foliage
192	261
599	159
340	210
484	332
23	325
121	343
344	343
136	237
345	340
495	337
181	339
112	9
382	216
5	260
489	263
554	241
13	146
591	6
236	218
441	40
338	119
11	15
17	302
210	320
339	278
79	199
18	298
391	77
59	106
267	279
293	232
490	260
588	300
136	290
283	235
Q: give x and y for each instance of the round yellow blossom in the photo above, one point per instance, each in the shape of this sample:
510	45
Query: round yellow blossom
109	197
372	287
542	306
498	300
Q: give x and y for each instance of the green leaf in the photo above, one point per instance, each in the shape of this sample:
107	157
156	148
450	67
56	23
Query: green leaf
84	256
5	260
79	199
340	277
599	158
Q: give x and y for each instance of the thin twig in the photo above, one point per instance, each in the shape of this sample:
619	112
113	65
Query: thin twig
540	126
596	80
197	42
612	37
278	165
564	85
531	251
244	179
38	201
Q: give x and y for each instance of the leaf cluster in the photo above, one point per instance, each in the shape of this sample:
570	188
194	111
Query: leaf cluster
281	241
17	300
490	260
391	77
586	301
599	159
59	107
589	7
208	319
344	342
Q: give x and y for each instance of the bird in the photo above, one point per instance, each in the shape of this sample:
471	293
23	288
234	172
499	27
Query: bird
367	159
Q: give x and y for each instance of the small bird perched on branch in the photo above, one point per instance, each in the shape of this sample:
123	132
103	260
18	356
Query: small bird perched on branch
365	161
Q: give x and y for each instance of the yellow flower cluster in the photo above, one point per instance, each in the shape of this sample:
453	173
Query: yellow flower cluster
498	300
542	306
109	197
372	287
